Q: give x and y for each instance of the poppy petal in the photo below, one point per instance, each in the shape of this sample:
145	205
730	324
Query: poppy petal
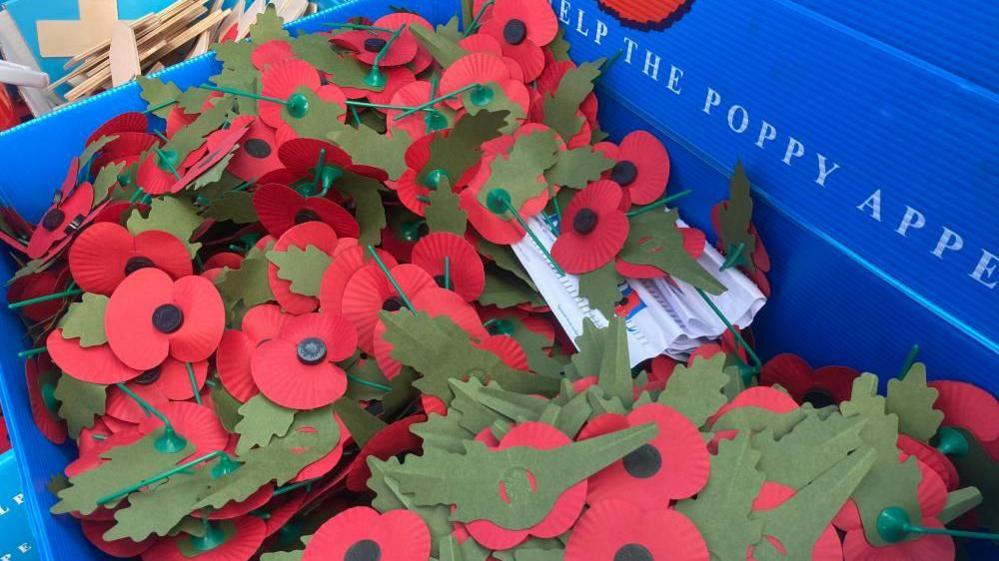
248	534
124	548
204	319
614	529
339	273
96	365
924	548
128	320
233	364
969	407
467	275
399	535
316	234
290	383
791	372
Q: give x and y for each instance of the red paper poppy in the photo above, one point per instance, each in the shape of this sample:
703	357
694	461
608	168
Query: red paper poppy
150	316
257	154
507	349
564	513
826	386
594	229
642	166
362	534
124	548
296	369
617	530
302	156
244	536
924	548
260	323
39	284
369	292
512	321
392	440
339	273
173	380
396	78
522	27
761	260
125	149
64	219
177	119
693	244
237	509
423	59
195	423
125	413
474	68
932	457
218	145
675	465
368	44
771	496
435	302
93	457
282	79
41	378
105	253
931	494
499	229
315	234
280	208
324	465
761	397
969	407
417	125
97	365
126	122
269	53
466	274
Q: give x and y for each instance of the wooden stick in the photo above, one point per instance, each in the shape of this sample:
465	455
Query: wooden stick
249	18
124	55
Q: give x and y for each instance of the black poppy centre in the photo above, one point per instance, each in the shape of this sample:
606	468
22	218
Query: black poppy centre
257	148
644	462
515	32
374	44
53	219
585	221
392	304
168	318
364	550
624	173
819	397
311	350
137	262
148	377
633	552
306	215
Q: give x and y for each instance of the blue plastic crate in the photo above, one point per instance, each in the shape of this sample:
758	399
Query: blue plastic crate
16	540
891	92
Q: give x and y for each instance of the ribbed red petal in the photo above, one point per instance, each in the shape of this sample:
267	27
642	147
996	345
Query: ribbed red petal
316	234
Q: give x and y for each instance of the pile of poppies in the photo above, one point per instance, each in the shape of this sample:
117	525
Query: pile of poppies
279	315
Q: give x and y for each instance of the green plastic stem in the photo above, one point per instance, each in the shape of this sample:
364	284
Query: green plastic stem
244	185
489	322
156	478
474	26
243	93
380	106
161	136
320	165
388	45
355	114
163	158
391	279
437	100
894	525
658	204
738	336
163	105
534	237
194	383
149	409
423	199
294	486
31	352
373	385
47	298
447	273
734	256
910	359
358	26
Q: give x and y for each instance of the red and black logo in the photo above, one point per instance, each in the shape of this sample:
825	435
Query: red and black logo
647	15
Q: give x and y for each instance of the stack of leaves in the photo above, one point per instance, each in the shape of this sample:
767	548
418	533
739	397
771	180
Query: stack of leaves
279	316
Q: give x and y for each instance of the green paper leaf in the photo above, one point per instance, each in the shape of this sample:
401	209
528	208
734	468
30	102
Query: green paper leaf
158	509
388	497
282	555
106	180
247	284
126	465
367	147
94	147
615	373
346	70
236	206
226	407
192	100
735	218
654	239
535	347
978	468
695	391
80	403
798	523
443	478
85	320
360	424
460	149
912	400
319	120
369	210
215	174
450	549
444	433
440	350
444	213
809	450
757	419
561	108
312	436
155	93
500	103
890	482
504	258
304	268
268	27
168	214
442	47
403	393
191	137
362	376
958	503
722	509
560	47
518	172
504	290
262	419
600	288
578	168
586	362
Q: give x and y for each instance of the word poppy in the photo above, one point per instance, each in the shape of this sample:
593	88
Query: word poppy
674	465
593	229
297	368
642	166
105	253
150	317
825	386
618	530
362	534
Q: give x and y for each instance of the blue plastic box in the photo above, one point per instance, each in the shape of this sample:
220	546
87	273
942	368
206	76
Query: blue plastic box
868	129
16	540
